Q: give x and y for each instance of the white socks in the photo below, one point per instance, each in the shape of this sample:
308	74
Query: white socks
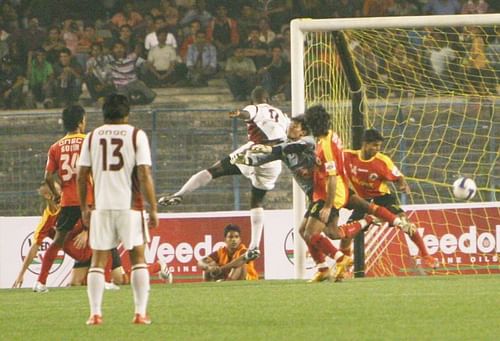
140	286
95	290
257	223
200	179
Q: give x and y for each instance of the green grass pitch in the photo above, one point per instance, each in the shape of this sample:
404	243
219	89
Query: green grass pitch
413	308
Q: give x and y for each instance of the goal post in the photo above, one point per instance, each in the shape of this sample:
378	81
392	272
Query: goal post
455	109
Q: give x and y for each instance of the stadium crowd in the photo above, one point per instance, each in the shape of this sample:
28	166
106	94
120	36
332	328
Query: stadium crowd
52	49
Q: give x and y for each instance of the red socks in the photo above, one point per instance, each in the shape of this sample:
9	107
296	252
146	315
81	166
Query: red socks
316	254
382	213
324	245
350	230
417	239
47	261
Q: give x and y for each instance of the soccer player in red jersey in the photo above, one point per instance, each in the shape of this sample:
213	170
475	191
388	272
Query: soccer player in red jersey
370	171
330	194
61	163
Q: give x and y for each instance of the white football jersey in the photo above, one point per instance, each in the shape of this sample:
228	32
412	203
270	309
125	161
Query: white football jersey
113	151
266	123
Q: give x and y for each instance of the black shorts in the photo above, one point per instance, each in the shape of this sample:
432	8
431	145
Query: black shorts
84	264
68	217
115	258
388	201
315	207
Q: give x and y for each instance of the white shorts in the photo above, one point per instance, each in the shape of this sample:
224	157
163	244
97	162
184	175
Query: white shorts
262	177
110	227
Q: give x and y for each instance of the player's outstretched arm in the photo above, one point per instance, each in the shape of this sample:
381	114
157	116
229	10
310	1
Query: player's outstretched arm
147	187
241	114
26	263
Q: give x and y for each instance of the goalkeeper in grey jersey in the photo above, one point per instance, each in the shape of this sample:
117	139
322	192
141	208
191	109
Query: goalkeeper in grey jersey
297	153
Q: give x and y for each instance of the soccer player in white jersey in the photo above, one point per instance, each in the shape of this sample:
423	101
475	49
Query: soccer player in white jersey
266	125
119	158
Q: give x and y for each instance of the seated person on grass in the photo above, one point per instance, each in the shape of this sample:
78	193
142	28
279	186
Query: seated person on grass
228	262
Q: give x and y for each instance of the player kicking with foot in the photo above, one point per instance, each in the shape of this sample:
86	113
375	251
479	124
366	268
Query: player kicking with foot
119	158
266	125
331	193
369	171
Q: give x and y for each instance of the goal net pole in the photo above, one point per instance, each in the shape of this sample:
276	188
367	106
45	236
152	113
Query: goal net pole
300	27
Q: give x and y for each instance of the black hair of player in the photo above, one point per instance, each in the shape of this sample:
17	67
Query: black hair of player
115	107
72	116
259	95
231	227
301	119
318	120
372	135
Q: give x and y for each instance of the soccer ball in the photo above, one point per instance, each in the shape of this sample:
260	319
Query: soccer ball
464	188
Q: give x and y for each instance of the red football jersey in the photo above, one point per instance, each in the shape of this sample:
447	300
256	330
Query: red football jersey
63	159
329	162
369	177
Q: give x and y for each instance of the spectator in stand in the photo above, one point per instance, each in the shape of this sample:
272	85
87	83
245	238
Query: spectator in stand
40	75
152	39
222	31
276	75
53	45
201	60
128	16
16	53
240	75
475	7
441	58
128	39
98	74
283	40
170	12
11	84
194	27
276	12
162	67
439	7
9	15
33	36
479	72
4	40
403	8
199	13
87	38
343	9
67	87
266	35
124	69
247	19
256	49
376	8
69	33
